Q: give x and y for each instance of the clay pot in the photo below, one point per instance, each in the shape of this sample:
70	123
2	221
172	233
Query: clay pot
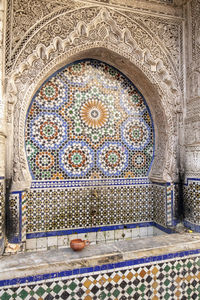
78	244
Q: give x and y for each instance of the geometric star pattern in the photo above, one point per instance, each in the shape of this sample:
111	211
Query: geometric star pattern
58	209
93	110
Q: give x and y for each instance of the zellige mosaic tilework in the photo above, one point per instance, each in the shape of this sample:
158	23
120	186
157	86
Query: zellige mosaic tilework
191	194
175	279
56	209
88	121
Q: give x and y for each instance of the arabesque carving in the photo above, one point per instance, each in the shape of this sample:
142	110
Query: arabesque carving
103	31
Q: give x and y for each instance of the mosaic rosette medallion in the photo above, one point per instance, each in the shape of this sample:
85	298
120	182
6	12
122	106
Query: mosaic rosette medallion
88	121
52	94
48	130
135	133
112	159
76	158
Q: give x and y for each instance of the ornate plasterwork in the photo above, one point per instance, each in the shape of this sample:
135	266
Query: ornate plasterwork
195	13
96	28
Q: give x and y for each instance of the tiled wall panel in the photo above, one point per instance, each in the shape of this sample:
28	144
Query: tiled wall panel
192	202
57	209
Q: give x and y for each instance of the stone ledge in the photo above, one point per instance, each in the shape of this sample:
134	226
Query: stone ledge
38	263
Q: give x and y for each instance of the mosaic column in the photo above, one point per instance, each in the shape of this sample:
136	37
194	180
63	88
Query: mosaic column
2	137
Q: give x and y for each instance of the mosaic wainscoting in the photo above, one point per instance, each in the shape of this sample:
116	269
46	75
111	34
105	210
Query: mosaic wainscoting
73	208
58	209
192	203
159	203
13	217
152	278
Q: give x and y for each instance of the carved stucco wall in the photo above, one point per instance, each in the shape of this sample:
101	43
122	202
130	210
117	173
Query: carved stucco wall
192	118
149	47
2	132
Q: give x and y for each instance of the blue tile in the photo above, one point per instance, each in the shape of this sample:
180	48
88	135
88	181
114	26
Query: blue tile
110	266
97	268
83	270
103	267
75	271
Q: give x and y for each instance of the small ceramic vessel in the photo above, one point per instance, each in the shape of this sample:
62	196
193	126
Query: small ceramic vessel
78	244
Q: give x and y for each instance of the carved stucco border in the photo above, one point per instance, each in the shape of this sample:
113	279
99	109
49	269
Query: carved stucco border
41	65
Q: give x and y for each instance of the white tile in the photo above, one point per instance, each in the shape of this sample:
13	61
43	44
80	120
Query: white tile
128	234
63	241
41	243
52	241
72	237
119	234
135	233
31	244
150	231
101	236
143	231
92	237
82	236
110	235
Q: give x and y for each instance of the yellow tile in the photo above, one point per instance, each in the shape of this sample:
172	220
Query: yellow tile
178	279
177	294
123	276
88	298
102	280
142	273
154	285
188	278
155	297
87	283
154	271
129	276
116	278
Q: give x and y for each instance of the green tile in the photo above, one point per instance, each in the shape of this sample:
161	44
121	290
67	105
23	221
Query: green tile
5	296
116	293
189	264
167	268
167	296
129	290
40	291
167	282
23	294
189	291
198	262
57	289
142	288
102	296
72	286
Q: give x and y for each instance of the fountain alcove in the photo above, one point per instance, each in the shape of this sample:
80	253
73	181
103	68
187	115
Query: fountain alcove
93	136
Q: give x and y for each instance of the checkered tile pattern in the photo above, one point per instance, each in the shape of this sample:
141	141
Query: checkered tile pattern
56	209
159	204
169	280
13	215
192	202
